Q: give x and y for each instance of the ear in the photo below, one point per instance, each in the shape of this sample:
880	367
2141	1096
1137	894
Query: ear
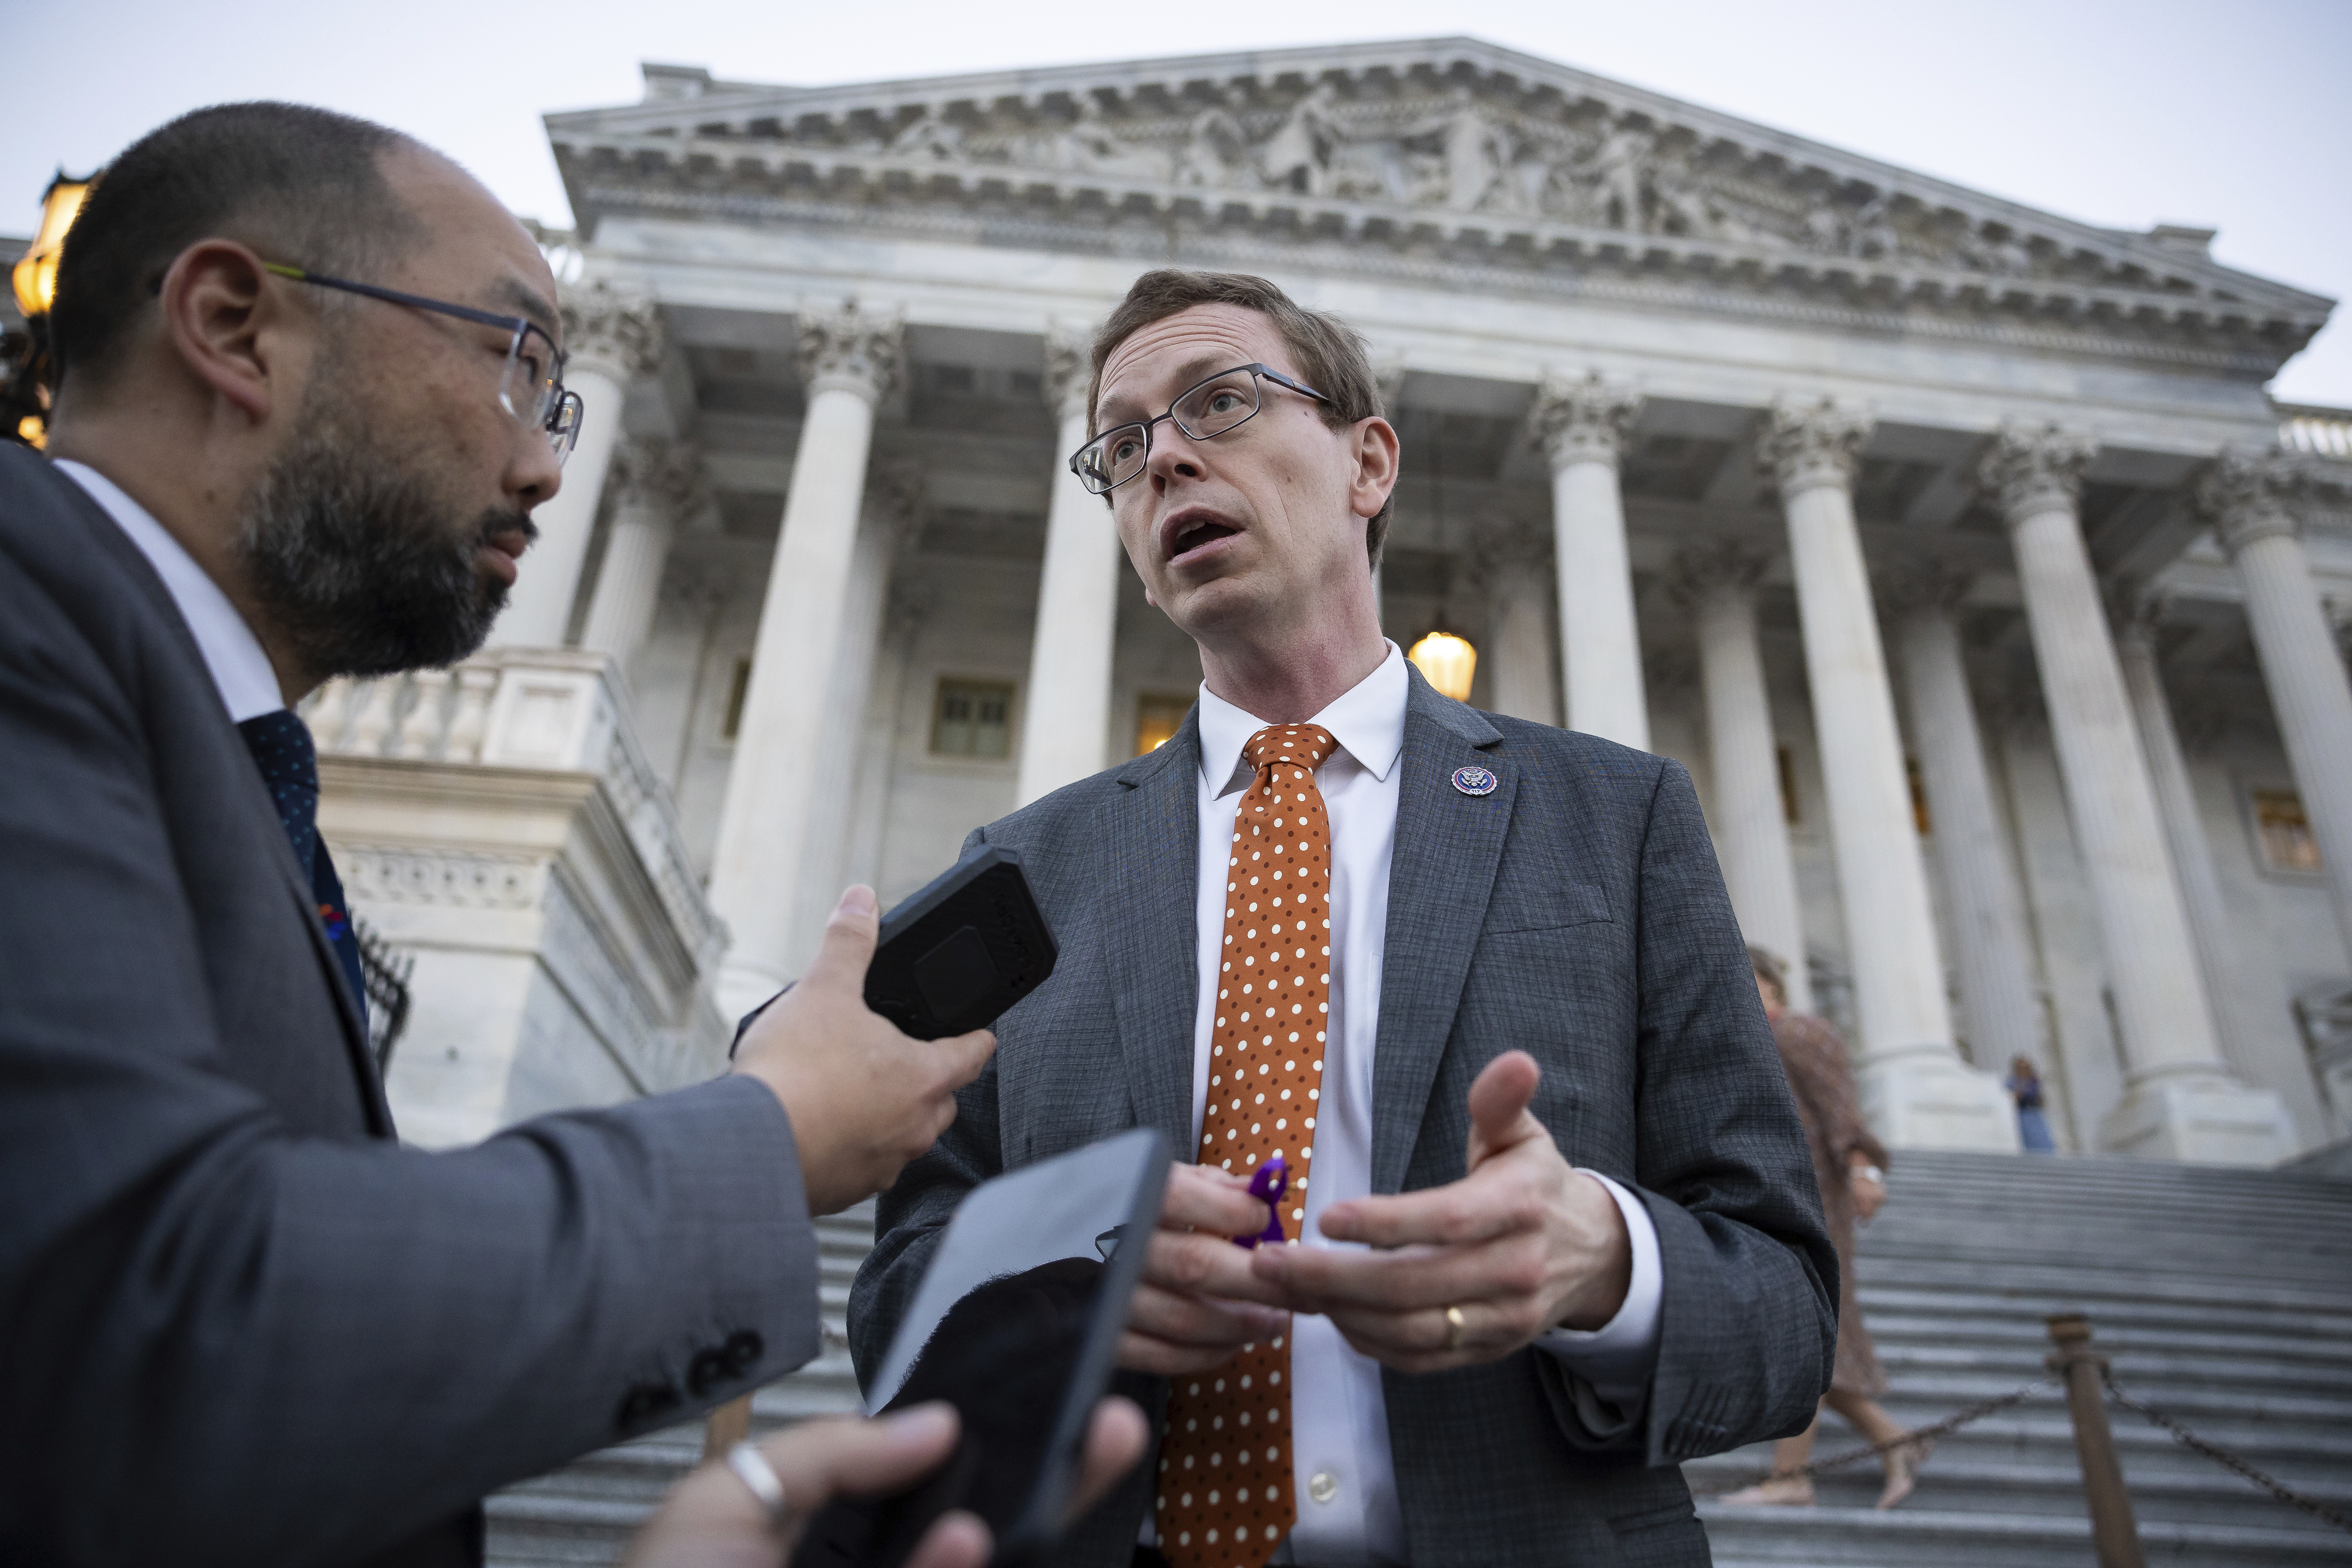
218	309
1377	452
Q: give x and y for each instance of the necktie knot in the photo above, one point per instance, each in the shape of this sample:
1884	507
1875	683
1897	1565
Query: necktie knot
1296	745
281	746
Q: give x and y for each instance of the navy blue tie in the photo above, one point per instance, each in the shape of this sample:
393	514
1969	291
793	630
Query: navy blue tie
281	747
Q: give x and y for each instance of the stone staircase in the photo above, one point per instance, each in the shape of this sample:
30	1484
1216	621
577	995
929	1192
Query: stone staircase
2223	1297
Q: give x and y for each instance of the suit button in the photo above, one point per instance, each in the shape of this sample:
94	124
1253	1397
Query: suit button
644	1403
1322	1486
707	1370
743	1350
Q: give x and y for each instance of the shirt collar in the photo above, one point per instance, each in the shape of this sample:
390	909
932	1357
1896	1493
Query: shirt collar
1367	720
240	670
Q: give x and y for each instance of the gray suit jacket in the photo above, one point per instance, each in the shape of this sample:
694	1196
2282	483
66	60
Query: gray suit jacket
1576	913
239	1325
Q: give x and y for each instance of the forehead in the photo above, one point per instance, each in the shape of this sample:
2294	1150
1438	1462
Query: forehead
474	252
1156	362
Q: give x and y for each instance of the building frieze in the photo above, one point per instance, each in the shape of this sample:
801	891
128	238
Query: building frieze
1445	149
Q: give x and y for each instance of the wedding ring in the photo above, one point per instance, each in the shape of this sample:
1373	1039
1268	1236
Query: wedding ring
753	1469
1455	1327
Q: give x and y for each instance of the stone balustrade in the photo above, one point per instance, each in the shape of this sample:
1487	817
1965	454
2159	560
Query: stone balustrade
499	821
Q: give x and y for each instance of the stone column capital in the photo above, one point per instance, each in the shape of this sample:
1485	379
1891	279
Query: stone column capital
2250	494
853	350
1584	421
1810	444
1718	570
894	497
1069	371
661	478
2032	469
1509	548
1387	375
611	327
1925	587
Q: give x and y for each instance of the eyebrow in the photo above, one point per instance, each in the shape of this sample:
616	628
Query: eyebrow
1199	368
529	301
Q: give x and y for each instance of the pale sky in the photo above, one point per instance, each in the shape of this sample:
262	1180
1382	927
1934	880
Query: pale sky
2235	117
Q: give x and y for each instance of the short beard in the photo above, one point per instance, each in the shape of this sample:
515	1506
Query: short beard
356	563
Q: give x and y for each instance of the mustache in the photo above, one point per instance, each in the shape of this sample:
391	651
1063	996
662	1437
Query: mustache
494	523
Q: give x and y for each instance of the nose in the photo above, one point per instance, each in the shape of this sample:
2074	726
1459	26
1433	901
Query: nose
533	474
1174	455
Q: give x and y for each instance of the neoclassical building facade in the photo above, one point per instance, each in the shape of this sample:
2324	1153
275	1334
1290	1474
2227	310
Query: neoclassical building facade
1955	547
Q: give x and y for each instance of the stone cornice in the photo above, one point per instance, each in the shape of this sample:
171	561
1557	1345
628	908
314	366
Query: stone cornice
1444	145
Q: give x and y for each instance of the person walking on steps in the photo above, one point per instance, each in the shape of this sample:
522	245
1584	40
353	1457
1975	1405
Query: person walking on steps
1848	1162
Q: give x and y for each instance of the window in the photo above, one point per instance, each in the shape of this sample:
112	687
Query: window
1157	720
735	694
972	719
2282	832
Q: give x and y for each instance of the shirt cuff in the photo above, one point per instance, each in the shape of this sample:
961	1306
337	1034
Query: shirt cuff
1619	1357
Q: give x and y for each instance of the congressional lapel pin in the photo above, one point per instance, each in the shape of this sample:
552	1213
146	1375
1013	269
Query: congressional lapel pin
1475	780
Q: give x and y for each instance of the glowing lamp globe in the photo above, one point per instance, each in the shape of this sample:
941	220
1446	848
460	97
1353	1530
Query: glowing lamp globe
35	276
1448	661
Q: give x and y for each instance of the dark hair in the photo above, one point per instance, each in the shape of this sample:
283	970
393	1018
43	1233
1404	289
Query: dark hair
1770	970
1331	354
303	186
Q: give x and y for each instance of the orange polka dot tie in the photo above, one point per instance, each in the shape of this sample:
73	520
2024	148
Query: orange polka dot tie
1225	1466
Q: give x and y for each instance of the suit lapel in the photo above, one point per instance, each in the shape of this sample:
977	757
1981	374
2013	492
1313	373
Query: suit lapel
1441	874
1153	867
115	543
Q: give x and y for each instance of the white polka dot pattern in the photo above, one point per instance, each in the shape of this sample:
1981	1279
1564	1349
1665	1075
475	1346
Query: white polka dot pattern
1225	1466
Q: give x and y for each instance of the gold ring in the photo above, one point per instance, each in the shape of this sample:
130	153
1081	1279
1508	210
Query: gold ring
1455	1328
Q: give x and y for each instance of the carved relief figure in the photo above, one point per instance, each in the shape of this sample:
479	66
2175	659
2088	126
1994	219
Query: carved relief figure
929	136
1297	156
1474	157
1621	174
1215	149
1088	145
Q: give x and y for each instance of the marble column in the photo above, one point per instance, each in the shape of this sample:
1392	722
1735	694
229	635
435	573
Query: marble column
1066	713
1914	1088
655	486
612	335
849	362
1509	559
893	510
2253	501
1717	584
1581	426
2184	827
2179	1101
1990	950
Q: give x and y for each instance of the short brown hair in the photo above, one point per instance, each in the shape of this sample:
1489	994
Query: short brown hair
1332	355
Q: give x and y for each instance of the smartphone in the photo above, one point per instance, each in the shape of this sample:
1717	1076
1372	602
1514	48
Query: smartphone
958	953
1016	1324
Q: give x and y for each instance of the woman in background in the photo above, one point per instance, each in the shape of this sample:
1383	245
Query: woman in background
1847	1162
2025	1086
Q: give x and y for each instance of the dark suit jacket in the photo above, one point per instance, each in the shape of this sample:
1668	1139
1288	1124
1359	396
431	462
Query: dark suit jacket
238	1323
1577	912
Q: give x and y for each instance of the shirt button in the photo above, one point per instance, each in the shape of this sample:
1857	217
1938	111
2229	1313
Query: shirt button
1322	1486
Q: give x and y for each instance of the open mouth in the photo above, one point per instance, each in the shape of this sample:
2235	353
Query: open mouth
1192	535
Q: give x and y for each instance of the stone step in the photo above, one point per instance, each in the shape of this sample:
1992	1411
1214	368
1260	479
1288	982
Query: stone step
1919	1538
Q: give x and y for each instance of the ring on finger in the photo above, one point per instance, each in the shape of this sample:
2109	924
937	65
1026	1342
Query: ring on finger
1454	1329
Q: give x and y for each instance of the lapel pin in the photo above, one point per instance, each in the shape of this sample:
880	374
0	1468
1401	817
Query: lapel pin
1475	780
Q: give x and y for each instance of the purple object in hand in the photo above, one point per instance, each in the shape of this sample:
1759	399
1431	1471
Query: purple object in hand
1272	1180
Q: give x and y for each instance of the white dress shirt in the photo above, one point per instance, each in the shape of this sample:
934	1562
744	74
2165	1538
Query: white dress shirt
1343	1475
240	670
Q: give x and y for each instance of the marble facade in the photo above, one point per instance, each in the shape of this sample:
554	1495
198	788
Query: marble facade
1954	546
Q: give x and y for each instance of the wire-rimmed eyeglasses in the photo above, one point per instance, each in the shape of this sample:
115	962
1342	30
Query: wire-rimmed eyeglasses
1205	409
531	386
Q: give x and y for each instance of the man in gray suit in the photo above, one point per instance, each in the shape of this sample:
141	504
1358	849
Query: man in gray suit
311	393
1474	981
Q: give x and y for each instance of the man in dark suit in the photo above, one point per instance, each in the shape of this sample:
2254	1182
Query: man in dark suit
1474	981
311	393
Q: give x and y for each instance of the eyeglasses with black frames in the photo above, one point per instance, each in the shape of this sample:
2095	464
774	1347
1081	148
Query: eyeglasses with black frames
1206	408
531	386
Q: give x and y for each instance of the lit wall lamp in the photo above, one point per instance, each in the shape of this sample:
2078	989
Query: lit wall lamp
24	404
1448	661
